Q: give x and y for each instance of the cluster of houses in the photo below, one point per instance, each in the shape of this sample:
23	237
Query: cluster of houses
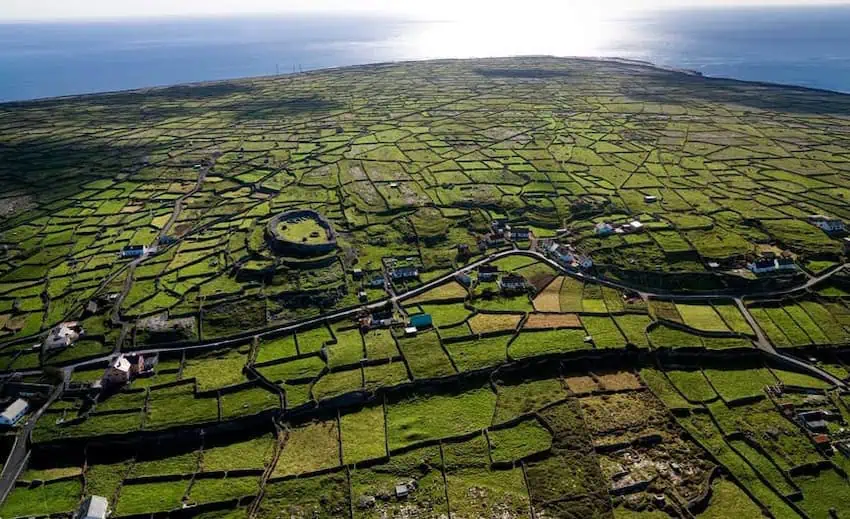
377	280
605	228
501	233
380	318
769	262
385	319
567	256
814	421
508	283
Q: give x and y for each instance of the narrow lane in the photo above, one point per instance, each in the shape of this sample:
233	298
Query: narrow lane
396	299
764	344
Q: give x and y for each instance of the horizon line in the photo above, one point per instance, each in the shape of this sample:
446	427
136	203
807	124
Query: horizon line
777	4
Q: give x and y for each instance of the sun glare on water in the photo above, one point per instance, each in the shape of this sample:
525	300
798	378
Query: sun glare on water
578	31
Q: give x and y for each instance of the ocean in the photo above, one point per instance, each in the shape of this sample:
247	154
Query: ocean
807	46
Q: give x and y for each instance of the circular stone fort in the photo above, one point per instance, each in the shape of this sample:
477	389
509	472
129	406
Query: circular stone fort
301	233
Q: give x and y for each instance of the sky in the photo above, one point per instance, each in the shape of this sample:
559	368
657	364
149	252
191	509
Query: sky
52	10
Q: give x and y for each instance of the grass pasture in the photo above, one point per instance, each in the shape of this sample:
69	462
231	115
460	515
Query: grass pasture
701	317
416	419
272	390
533	344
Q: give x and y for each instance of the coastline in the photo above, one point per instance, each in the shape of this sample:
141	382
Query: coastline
365	66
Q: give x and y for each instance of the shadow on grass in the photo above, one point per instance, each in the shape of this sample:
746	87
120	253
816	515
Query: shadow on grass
658	86
234	101
522	73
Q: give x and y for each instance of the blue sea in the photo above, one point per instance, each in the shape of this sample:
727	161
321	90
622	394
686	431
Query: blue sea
807	46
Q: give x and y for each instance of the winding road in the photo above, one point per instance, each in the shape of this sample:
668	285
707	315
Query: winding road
395	299
20	450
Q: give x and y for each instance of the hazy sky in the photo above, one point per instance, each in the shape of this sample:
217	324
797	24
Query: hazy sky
442	9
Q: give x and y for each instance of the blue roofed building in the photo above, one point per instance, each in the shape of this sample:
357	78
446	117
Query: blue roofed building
421	321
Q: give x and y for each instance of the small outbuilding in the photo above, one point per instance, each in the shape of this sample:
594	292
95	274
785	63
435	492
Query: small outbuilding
402	491
410	331
93	507
14	412
464	279
635	226
421	321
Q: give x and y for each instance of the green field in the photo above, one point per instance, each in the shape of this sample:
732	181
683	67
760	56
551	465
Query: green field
302	230
295	386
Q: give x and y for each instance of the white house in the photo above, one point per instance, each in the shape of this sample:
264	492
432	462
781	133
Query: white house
761	266
636	226
94	507
122	369
63	335
13	414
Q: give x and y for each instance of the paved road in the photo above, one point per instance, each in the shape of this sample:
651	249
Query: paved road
19	453
20	450
762	341
764	344
398	298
